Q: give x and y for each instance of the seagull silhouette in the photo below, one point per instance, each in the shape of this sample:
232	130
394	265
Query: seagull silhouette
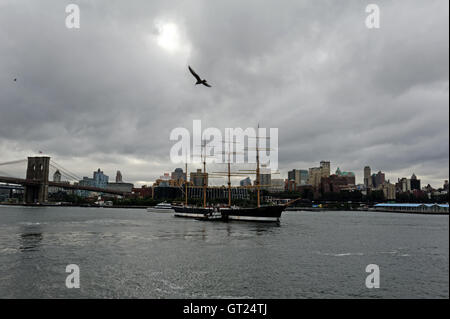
199	80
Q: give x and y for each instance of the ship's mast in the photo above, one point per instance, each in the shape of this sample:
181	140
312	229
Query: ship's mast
186	187
229	186
204	175
229	173
257	169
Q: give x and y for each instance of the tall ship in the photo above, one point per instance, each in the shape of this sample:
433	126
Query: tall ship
259	213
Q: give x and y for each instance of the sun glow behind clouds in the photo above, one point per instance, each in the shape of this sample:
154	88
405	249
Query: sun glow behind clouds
170	38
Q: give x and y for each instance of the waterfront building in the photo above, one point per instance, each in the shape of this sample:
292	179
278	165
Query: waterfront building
325	168
314	176
414	182
100	179
362	188
121	187
119	177
290	185
408	184
350	176
179	176
245	182
335	183
143	192
277	185
403	185
388	190
294	176
165	181
413	208
367	177
303	177
378	179
428	189
86	181
199	178
56	178
304	190
5	194
299	176
167	192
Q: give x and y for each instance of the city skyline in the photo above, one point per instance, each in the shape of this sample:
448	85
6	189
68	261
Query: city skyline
282	173
178	173
334	89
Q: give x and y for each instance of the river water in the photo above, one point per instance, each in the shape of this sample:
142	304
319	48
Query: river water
132	253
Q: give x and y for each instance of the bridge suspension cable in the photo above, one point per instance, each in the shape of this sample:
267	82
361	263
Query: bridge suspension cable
64	174
13	162
64	171
65	177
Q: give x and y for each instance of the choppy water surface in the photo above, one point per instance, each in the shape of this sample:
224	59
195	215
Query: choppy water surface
131	253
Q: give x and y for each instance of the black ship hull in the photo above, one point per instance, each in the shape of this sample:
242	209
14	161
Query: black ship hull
191	212
260	214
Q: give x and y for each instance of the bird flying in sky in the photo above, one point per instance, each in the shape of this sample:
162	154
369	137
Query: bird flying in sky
199	80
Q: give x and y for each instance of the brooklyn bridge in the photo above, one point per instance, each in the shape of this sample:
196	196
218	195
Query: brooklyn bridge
36	182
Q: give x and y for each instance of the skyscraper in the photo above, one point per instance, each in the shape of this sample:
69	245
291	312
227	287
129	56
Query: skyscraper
299	176
119	177
325	168
378	179
100	179
415	183
367	177
303	177
314	176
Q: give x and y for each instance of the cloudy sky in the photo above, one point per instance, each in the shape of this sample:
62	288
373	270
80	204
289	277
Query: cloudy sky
109	93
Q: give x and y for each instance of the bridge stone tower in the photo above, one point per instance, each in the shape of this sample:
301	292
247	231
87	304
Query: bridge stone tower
37	175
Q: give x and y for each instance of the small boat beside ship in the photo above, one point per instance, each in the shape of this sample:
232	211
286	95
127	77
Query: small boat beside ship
164	206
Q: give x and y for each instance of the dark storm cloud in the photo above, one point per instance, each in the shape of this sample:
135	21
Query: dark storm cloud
107	95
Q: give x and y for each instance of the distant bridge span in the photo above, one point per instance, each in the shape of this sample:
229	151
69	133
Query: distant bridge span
32	182
36	183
